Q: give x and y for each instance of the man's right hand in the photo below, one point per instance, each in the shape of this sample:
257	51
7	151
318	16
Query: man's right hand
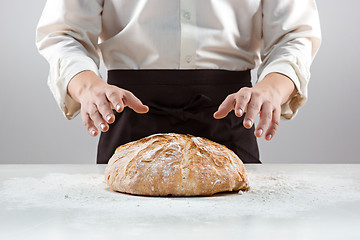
97	99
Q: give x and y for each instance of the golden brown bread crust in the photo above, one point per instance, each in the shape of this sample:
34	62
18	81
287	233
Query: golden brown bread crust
177	165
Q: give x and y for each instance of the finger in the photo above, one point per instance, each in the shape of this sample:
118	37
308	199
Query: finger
270	133
134	103
252	110
242	99
265	119
105	110
225	107
89	124
115	98
98	119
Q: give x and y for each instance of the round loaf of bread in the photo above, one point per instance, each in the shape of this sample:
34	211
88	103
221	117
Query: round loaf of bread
176	165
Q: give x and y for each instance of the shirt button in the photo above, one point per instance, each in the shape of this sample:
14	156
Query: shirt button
187	15
188	59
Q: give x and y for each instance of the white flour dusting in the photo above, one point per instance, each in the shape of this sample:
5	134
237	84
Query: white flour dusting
271	195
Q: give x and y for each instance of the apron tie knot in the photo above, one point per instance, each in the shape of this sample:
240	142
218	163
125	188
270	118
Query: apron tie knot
193	110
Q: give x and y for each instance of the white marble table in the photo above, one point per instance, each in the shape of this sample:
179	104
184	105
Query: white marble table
286	201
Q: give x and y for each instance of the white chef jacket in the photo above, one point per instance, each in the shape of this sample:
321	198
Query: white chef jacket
280	36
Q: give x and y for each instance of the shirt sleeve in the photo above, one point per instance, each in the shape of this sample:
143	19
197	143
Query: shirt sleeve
291	38
67	36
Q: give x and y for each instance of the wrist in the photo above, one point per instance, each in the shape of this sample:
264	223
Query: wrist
280	85
81	83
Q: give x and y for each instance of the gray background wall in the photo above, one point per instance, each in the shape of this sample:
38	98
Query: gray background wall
33	130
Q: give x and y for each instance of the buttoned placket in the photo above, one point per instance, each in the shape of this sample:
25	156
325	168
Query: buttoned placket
188	34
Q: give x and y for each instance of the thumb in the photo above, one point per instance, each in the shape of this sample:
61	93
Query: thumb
225	107
134	103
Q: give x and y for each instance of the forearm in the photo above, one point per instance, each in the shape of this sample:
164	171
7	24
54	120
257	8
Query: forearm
279	84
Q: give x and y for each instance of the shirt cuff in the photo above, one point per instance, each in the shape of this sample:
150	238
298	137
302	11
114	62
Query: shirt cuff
59	77
290	108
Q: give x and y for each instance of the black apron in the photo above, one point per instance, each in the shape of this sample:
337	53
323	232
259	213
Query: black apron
180	101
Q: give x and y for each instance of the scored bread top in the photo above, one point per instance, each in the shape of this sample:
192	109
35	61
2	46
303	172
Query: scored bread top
177	165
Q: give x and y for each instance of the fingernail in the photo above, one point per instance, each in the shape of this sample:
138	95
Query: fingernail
93	132
269	137
259	132
240	112
102	126
118	107
108	117
248	123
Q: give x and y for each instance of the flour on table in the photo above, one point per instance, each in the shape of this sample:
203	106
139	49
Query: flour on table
278	195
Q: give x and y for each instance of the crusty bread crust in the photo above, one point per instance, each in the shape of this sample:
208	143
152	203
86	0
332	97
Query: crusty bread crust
177	165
